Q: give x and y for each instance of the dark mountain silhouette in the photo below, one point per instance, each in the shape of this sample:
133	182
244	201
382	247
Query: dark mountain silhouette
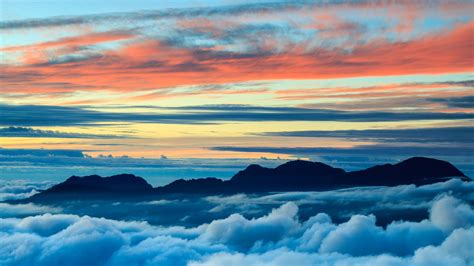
98	187
294	175
416	170
208	185
291	176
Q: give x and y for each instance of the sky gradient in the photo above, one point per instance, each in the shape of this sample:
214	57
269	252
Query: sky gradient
337	82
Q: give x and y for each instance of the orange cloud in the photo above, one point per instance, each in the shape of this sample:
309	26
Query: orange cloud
42	52
88	39
152	64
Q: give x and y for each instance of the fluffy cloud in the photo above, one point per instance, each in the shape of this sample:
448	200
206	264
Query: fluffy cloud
11	190
449	213
351	201
242	234
278	238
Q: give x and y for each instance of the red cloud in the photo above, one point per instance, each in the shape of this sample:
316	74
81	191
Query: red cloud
88	39
152	64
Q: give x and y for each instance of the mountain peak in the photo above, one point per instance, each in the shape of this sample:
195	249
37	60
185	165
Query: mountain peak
253	167
309	168
292	175
415	170
95	183
434	166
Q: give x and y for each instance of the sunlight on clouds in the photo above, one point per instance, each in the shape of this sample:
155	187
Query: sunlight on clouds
127	74
182	141
190	89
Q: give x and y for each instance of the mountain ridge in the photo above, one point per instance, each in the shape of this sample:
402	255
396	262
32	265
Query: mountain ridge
298	175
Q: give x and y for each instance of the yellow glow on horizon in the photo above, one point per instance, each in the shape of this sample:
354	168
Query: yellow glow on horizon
194	141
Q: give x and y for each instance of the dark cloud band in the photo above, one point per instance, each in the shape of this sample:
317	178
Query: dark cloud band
444	135
27	132
41	115
372	150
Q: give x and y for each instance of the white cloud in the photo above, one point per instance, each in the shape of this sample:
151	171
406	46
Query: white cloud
449	213
456	250
370	199
278	238
243	234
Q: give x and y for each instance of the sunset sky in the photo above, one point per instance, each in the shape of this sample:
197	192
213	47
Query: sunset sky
237	80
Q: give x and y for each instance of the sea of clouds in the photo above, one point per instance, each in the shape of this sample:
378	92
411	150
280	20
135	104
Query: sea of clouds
270	229
278	238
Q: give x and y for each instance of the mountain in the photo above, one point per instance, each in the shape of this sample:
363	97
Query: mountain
302	175
416	170
294	175
98	187
208	185
291	176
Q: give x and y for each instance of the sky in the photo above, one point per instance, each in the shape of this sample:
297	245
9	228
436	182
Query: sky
198	88
214	85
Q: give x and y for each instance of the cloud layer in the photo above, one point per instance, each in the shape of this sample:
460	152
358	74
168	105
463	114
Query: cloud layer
278	238
228	43
27	132
43	115
424	135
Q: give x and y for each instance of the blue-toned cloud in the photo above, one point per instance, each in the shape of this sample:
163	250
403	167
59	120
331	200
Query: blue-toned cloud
41	153
151	15
278	238
240	233
18	189
424	135
41	115
387	203
449	213
38	133
372	195
457	102
21	210
373	150
455	250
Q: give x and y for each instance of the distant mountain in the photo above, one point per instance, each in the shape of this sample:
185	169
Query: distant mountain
302	175
99	187
291	176
294	175
208	185
416	170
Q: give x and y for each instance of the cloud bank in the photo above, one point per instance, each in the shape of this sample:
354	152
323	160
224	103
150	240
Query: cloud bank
17	189
43	115
27	132
425	135
278	238
377	149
